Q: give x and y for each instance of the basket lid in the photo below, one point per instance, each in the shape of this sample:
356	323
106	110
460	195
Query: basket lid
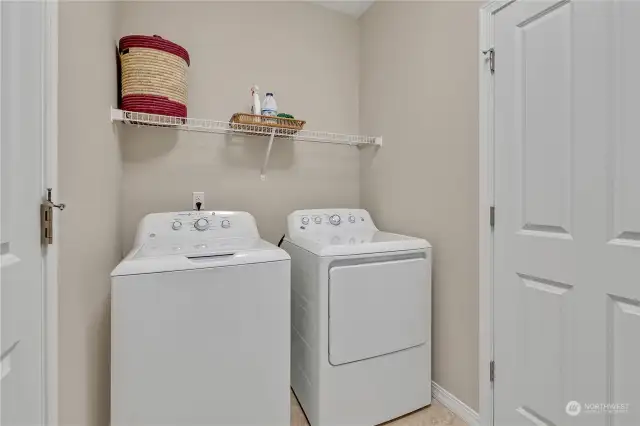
154	42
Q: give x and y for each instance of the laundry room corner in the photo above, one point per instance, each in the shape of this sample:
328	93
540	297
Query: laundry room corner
424	181
90	173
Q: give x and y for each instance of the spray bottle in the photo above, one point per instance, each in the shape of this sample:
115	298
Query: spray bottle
255	108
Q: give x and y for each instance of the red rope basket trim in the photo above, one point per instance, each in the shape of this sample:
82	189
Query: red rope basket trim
154	42
153	104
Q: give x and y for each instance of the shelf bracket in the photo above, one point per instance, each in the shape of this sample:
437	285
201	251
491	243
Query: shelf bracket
116	115
263	171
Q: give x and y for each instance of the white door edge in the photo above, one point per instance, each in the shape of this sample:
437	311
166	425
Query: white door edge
3	368
49	107
50	180
486	201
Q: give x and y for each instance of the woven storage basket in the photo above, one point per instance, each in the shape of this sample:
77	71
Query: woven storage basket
154	75
284	126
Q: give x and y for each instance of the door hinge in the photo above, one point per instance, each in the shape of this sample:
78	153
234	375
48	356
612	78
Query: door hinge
492	371
46	218
492	216
492	58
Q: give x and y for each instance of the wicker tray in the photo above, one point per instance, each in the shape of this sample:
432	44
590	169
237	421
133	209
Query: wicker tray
285	126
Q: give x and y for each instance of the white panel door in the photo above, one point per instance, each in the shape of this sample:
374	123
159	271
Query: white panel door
567	232
21	182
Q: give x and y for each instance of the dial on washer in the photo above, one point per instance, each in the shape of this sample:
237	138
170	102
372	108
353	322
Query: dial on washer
201	224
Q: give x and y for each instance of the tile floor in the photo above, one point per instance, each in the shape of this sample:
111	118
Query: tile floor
434	415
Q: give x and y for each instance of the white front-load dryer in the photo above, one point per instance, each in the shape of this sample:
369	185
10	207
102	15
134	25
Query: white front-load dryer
200	324
361	318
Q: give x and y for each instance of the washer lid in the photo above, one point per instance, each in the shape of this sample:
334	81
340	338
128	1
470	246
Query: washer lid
341	243
165	255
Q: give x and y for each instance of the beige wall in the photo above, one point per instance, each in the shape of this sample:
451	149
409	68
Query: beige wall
305	54
418	88
90	170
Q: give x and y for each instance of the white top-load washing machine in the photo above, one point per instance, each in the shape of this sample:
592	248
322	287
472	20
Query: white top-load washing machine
361	318
200	324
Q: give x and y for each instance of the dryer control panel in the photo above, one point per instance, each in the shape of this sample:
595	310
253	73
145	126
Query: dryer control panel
330	220
197	225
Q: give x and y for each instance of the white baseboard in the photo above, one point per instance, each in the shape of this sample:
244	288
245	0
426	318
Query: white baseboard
457	407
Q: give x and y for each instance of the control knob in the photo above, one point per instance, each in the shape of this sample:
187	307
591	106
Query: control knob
335	219
305	220
225	224
201	224
176	225
352	219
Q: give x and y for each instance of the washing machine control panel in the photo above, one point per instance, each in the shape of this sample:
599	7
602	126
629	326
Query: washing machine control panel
330	220
198	225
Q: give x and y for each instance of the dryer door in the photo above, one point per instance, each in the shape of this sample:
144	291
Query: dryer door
378	308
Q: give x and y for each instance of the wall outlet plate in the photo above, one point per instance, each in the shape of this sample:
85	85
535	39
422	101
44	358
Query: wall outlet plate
198	197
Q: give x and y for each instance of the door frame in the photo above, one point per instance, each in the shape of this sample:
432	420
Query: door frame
486	202
50	180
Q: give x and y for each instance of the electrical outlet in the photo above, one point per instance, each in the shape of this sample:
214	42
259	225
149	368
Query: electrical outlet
198	197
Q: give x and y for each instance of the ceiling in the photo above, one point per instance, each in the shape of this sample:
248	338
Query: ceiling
354	8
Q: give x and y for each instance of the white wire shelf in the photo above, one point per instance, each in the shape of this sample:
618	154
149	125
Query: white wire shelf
224	127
